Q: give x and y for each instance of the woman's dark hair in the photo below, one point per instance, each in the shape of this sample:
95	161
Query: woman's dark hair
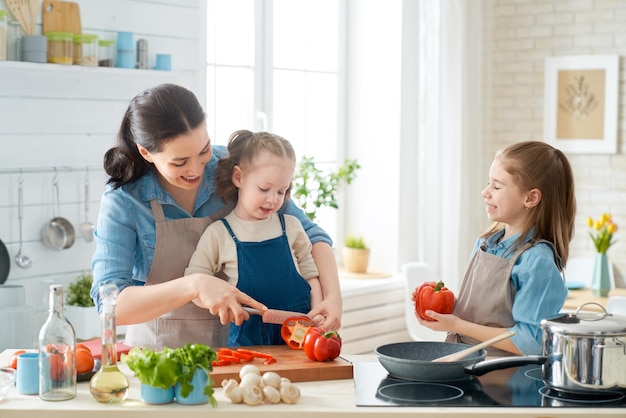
154	117
536	164
243	147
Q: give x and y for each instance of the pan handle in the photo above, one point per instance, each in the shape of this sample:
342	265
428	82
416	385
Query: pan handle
483	367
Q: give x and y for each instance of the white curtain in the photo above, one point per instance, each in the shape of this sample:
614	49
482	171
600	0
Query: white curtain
449	134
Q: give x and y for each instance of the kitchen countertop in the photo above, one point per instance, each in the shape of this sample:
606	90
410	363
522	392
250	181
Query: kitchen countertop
576	298
330	398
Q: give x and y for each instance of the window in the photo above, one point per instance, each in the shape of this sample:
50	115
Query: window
274	65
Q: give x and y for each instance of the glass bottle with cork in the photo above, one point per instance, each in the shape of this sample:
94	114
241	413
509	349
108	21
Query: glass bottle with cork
109	384
57	352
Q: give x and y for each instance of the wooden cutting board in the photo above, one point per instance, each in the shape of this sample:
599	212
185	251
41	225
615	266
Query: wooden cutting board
60	16
292	364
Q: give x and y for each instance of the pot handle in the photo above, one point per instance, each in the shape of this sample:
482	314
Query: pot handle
483	367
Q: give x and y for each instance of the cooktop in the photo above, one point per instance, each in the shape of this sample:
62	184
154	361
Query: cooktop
514	387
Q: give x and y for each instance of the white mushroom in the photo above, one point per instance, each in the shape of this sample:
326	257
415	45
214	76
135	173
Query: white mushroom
250	379
271	379
228	386
248	368
236	395
272	395
284	381
252	395
289	393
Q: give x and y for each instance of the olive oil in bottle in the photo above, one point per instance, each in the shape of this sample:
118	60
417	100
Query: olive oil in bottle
109	384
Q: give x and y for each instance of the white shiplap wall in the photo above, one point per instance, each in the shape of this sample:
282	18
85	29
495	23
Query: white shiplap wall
67	117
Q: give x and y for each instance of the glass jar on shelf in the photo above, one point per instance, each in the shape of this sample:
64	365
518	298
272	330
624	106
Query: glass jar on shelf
86	50
106	53
60	47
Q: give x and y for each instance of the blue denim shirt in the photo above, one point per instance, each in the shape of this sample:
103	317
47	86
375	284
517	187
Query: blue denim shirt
541	291
126	234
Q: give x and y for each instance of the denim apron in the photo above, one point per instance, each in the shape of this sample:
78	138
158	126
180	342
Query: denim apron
267	273
487	293
176	240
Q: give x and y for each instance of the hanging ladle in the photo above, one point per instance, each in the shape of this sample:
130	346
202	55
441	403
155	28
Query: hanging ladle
86	228
22	260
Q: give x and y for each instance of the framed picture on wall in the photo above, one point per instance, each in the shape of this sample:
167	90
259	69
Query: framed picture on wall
580	103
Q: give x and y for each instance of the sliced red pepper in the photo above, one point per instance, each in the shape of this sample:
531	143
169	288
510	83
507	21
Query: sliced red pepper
237	354
268	358
294	329
218	362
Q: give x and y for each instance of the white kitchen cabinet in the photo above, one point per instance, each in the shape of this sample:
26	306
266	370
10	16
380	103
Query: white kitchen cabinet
373	313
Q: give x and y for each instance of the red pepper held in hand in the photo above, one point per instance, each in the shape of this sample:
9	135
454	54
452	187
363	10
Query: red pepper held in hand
434	297
321	345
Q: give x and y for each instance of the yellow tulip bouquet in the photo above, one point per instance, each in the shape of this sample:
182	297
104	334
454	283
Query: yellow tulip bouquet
602	230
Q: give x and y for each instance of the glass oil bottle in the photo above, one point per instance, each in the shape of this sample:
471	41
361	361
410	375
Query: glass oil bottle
109	384
57	352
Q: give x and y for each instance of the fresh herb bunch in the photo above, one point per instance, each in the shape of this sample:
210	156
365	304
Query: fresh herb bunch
78	291
314	188
602	230
355	242
163	369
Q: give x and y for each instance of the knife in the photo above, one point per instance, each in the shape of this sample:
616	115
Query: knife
273	316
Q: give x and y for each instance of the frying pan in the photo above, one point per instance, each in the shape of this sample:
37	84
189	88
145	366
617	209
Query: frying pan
5	263
414	361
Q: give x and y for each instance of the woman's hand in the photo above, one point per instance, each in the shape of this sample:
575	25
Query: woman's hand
326	315
222	299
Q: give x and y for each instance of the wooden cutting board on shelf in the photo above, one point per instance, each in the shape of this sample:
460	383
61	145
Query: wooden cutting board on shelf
60	16
292	364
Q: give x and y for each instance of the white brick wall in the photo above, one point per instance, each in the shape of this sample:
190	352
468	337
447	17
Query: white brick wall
518	36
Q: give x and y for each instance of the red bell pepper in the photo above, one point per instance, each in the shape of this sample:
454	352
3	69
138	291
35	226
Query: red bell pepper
434	297
322	345
294	329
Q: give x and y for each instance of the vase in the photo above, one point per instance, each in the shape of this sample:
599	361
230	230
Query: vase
601	281
156	396
199	381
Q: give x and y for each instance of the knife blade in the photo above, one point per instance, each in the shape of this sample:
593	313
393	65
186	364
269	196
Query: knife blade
273	316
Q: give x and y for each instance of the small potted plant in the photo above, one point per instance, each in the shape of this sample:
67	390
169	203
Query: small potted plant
355	254
180	373
80	309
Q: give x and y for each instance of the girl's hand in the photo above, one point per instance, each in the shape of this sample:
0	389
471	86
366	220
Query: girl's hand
442	322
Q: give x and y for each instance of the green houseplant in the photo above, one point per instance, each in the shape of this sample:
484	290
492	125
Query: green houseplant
314	187
80	309
356	254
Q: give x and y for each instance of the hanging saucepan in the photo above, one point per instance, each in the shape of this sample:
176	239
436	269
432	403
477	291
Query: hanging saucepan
58	233
583	352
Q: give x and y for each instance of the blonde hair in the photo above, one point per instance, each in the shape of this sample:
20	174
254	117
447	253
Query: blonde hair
537	165
243	147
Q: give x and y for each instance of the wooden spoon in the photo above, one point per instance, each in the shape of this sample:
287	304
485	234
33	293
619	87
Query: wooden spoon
464	353
34	6
16	9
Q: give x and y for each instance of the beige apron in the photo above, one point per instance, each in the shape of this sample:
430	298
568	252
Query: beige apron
487	294
176	241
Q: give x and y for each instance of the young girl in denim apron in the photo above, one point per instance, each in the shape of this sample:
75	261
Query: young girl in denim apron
513	279
267	255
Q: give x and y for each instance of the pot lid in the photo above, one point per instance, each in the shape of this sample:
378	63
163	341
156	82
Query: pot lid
585	323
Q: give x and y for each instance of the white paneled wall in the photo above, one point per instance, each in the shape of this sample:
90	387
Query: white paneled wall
68	116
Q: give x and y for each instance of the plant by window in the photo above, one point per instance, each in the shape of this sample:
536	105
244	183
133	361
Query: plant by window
601	232
78	291
314	188
355	242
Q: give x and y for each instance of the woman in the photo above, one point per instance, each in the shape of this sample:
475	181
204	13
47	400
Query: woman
161	197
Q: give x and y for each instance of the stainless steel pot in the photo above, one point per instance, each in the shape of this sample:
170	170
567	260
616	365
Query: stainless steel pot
582	352
585	351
